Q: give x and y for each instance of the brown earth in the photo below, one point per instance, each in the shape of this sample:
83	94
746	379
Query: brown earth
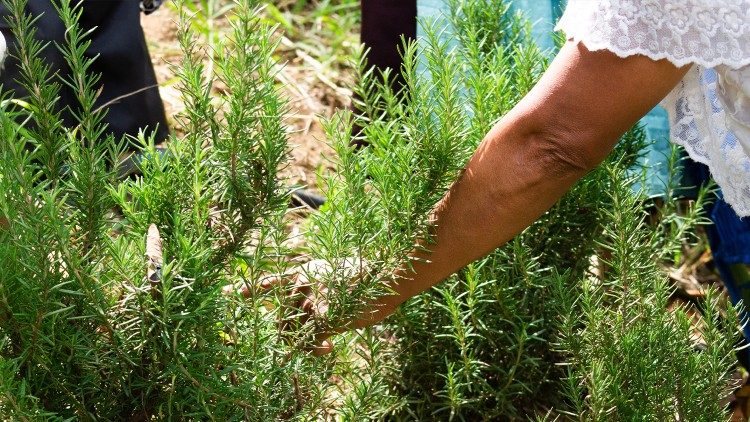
308	98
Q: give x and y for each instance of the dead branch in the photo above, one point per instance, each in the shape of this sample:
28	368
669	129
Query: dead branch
155	259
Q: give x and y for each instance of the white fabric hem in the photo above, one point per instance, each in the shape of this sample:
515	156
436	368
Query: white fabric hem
653	55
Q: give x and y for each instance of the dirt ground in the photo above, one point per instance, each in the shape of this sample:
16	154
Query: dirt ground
309	99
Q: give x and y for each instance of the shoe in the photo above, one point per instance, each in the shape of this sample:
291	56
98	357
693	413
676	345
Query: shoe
308	199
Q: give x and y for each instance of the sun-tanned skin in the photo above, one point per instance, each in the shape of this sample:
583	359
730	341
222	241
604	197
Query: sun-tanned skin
562	129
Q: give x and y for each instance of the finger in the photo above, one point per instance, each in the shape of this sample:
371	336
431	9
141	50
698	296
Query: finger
311	271
302	284
271	281
321	307
308	308
266	283
324	348
231	289
296	312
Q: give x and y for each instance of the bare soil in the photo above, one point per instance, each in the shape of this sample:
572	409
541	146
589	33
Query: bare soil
309	99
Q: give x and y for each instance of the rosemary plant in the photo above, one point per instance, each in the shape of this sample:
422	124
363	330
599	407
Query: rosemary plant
92	330
112	298
628	357
527	331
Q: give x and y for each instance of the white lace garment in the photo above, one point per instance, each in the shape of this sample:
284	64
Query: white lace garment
709	110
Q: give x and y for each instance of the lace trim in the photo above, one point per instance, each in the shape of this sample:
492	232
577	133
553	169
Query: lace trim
708	33
698	122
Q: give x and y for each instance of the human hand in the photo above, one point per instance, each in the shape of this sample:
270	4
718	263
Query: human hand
310	296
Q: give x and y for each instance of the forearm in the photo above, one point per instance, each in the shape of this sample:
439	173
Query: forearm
565	126
506	186
509	183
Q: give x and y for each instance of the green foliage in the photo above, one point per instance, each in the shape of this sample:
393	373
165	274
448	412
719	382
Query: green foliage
204	15
630	357
534	330
84	334
322	33
525	331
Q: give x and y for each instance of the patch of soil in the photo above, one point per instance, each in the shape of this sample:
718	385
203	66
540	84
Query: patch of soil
308	98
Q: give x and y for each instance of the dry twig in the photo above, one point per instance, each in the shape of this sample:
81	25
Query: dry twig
155	258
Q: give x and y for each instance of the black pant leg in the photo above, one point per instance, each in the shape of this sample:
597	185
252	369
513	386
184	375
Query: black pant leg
123	62
125	65
49	29
384	23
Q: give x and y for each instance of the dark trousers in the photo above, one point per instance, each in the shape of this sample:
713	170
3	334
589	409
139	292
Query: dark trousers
384	23
123	62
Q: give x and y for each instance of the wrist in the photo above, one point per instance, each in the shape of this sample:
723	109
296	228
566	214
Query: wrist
381	309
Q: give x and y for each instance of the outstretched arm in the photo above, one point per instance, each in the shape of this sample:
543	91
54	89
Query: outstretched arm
563	128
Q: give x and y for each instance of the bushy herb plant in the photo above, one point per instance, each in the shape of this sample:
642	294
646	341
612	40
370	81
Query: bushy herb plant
112	299
535	329
627	356
95	324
